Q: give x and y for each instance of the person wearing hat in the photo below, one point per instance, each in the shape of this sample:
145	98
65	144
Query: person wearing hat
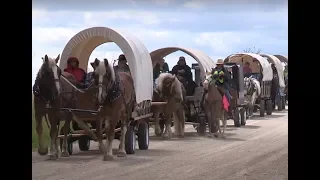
222	77
122	65
184	74
182	69
73	68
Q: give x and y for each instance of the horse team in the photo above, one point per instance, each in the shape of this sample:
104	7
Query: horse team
113	94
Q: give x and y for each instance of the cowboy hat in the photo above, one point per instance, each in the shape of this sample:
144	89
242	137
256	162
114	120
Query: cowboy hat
122	57
220	61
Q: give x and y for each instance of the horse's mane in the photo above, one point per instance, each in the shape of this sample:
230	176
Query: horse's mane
176	84
101	67
51	63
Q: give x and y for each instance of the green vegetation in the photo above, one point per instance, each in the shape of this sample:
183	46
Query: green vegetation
46	135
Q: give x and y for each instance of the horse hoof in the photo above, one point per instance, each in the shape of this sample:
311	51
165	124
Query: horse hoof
108	158
122	154
43	151
216	135
65	154
53	157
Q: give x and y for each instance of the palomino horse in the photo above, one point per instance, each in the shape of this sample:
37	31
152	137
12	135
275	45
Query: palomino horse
252	92
170	88
117	100
213	107
48	93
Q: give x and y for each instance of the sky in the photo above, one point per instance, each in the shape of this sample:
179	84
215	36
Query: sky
216	27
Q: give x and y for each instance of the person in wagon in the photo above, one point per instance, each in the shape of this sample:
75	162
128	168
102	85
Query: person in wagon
184	74
182	70
74	69
89	78
160	67
122	65
222	78
247	70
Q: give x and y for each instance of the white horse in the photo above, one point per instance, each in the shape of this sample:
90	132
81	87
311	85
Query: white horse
252	92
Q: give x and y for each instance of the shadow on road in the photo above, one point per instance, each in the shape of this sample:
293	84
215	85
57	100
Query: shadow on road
266	117
155	152
250	127
188	136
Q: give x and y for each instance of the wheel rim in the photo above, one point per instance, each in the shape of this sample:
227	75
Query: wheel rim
133	140
88	142
147	135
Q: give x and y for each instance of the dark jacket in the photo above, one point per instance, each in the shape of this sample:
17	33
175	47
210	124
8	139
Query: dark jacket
187	72
157	71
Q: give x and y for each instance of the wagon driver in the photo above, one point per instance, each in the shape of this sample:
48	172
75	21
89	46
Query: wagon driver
122	65
222	77
184	74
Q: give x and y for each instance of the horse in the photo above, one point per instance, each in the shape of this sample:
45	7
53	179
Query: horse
47	94
117	100
168	87
213	106
252	92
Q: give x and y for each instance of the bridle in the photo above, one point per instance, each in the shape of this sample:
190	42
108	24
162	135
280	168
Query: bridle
42	77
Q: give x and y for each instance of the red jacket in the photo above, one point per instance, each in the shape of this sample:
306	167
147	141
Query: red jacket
77	72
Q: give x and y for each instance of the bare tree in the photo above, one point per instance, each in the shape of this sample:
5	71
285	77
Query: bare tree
252	50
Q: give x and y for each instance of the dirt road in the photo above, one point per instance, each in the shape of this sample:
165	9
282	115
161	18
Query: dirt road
257	151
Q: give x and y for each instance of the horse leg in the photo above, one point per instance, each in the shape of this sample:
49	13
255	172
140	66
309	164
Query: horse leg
180	118
167	131
108	156
53	136
42	149
177	125
219	111
122	151
157	125
99	132
224	122
66	129
215	119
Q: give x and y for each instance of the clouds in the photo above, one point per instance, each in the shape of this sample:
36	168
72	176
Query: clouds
218	30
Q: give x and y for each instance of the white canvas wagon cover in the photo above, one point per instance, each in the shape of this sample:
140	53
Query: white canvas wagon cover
279	67
264	64
282	58
83	43
205	62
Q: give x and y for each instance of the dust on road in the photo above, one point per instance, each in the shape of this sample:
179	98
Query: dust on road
257	151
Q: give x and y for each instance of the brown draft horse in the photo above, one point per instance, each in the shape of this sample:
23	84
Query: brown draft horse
117	100
213	108
170	88
48	93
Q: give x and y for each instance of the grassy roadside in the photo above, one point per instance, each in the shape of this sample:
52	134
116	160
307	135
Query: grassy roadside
46	135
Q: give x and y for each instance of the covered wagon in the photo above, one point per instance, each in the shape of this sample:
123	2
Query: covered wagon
81	46
262	71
